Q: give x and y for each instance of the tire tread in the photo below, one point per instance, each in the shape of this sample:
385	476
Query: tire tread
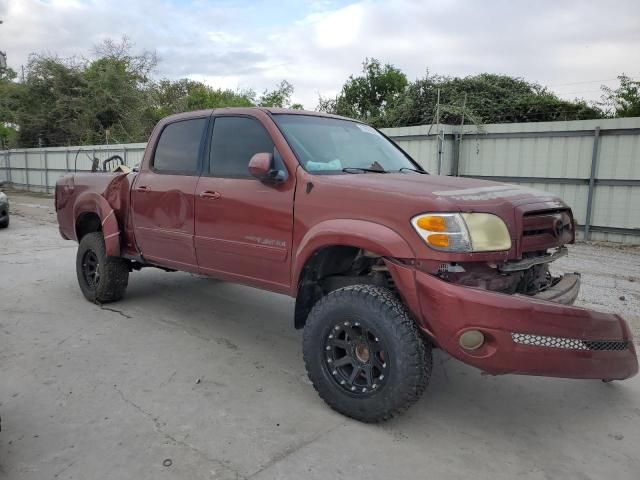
114	276
404	329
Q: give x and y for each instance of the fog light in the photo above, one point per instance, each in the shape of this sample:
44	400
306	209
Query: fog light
471	339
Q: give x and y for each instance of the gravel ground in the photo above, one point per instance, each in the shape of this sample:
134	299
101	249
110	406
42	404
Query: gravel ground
610	279
192	378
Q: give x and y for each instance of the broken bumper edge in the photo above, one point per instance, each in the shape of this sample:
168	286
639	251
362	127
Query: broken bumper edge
564	292
527	335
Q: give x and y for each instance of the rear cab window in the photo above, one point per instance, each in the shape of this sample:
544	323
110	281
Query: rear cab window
178	148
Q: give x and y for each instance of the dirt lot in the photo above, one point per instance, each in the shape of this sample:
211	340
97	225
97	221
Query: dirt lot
208	378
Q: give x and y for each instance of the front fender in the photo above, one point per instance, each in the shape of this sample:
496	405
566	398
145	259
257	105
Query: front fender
363	234
91	202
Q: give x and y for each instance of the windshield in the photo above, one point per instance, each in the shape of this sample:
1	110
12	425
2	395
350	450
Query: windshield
328	145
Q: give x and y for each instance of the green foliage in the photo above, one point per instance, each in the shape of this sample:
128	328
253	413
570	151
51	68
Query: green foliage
383	97
116	94
110	98
368	97
279	98
624	101
71	102
8	104
168	97
489	99
49	102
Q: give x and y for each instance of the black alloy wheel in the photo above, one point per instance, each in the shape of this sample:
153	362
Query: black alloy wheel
91	269
355	358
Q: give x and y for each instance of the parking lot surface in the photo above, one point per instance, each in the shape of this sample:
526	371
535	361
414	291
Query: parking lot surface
192	378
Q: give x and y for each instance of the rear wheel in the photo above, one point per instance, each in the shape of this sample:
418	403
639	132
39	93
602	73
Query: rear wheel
364	354
102	279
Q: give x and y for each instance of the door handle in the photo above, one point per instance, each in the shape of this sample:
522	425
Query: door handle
143	189
209	195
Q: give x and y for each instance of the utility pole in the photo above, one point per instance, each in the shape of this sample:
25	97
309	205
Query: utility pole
440	135
464	106
3	56
455	167
438	112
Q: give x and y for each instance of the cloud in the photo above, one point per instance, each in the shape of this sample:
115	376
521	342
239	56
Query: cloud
316	44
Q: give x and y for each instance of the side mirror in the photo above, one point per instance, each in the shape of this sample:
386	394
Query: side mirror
261	167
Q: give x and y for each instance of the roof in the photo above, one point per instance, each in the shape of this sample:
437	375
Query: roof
241	110
292	111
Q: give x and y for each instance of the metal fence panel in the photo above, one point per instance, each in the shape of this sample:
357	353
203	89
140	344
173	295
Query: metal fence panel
619	156
38	169
553	156
594	165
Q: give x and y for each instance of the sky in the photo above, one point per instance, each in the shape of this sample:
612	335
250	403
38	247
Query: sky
571	46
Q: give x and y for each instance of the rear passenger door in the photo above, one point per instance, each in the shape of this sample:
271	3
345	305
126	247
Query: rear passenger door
243	226
163	196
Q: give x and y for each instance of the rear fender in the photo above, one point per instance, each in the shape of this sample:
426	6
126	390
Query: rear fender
91	202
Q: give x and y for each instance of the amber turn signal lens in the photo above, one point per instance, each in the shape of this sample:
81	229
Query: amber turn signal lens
438	240
432	223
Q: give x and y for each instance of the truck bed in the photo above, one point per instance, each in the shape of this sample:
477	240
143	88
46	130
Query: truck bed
75	195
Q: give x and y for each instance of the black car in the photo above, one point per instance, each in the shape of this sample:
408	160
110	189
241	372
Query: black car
4	210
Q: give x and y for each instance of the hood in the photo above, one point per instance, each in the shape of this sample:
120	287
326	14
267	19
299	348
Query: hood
446	193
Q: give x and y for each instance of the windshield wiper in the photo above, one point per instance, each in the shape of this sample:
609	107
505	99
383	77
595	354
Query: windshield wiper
423	172
362	169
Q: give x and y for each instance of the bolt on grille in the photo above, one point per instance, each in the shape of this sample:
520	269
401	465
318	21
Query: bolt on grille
568	343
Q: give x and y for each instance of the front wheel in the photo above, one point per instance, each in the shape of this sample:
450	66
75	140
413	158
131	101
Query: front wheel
102	279
364	353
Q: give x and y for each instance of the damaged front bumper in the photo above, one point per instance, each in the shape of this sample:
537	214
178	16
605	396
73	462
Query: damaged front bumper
564	292
522	334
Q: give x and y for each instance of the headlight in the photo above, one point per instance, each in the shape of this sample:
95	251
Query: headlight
463	232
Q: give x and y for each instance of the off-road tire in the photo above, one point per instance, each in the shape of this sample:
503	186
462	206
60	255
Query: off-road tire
113	271
408	353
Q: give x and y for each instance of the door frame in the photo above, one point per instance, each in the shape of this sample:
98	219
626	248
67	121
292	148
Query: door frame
146	168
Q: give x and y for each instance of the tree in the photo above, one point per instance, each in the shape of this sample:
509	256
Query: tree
489	98
116	95
108	98
49	102
71	101
367	97
183	95
624	101
280	97
8	102
383	97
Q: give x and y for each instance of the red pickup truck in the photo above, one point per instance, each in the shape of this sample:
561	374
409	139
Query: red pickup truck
384	260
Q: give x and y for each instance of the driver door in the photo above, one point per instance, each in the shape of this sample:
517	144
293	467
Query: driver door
243	227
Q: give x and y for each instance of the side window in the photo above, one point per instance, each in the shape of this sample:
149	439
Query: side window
178	146
235	140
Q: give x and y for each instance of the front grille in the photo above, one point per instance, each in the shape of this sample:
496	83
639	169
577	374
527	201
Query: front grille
546	229
569	343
